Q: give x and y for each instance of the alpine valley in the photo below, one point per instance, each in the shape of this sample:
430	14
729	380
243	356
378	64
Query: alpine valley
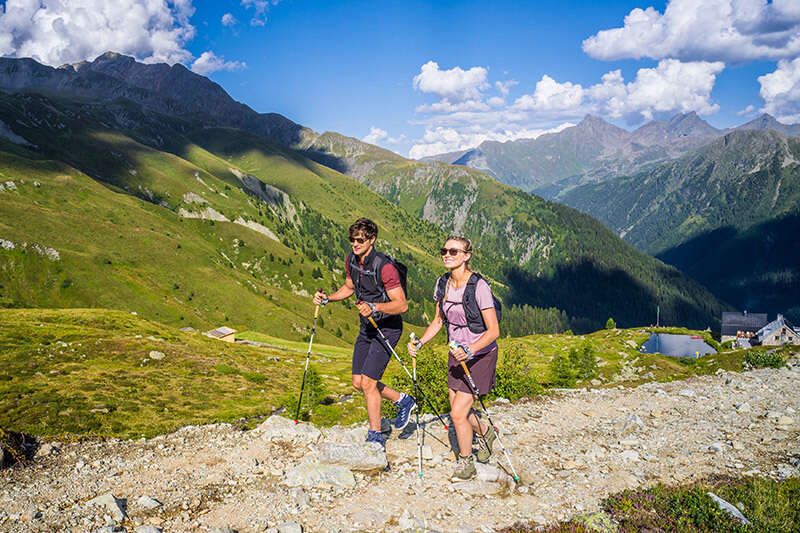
147	188
721	206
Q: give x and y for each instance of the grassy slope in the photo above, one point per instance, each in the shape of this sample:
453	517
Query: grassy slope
83	371
123	246
120	252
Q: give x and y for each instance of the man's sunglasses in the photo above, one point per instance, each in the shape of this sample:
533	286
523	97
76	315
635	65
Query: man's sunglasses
451	251
359	240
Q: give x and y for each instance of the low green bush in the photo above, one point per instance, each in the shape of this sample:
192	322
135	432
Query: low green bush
514	378
314	394
562	373
759	359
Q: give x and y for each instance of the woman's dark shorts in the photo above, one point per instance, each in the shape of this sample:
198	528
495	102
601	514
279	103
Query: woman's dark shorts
483	369
370	354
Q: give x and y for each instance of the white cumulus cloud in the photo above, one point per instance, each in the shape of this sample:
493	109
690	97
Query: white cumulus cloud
505	86
781	91
711	30
228	19
55	32
671	87
379	136
552	96
209	62
446	106
260	9
747	111
456	83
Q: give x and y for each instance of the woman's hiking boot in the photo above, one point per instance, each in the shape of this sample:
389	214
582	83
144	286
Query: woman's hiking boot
485	445
465	468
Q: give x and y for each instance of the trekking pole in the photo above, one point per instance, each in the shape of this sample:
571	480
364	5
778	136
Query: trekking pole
418	344
454	346
408	372
305	370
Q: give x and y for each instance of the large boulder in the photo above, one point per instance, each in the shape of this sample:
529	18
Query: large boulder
364	456
310	474
111	505
280	428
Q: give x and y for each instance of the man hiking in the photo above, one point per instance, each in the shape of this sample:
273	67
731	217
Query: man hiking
376	281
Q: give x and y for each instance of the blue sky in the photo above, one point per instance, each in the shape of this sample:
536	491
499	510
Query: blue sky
493	69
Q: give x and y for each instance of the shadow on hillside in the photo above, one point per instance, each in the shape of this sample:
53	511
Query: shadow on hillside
756	269
85	138
581	287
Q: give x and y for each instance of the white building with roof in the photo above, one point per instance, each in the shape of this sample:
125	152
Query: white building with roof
777	333
223	333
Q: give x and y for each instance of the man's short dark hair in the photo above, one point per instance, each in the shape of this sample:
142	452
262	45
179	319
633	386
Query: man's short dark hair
365	226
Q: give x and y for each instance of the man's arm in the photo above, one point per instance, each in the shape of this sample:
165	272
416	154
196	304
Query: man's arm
344	292
397	303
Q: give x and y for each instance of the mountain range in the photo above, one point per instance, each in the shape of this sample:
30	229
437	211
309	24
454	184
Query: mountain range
595	150
727	214
162	193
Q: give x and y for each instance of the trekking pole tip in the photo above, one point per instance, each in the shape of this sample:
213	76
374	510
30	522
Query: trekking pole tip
516	479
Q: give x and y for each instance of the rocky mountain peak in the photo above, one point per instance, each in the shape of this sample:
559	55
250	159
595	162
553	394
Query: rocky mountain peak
690	124
765	121
600	131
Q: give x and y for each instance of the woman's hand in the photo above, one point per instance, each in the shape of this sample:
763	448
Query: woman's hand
460	354
320	298
413	347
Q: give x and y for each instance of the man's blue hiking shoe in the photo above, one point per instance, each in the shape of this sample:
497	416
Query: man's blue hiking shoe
376	436
405	407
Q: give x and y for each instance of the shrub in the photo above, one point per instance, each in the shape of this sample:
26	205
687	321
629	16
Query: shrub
759	359
610	324
562	373
314	394
583	361
514	379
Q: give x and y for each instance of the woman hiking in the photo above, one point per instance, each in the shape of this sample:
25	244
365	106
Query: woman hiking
376	281
465	305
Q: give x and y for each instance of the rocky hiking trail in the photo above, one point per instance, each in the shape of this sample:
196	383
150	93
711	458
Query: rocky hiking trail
572	450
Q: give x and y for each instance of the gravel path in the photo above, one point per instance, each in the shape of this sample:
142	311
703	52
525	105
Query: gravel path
571	452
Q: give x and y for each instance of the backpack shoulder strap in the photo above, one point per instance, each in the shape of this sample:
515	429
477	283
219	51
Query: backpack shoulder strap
441	287
474	278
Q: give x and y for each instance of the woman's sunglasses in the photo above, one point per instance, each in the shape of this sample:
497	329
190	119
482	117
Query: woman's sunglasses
450	251
359	240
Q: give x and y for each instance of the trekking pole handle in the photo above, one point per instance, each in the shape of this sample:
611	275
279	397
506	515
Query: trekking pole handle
316	312
374	324
455	346
417	342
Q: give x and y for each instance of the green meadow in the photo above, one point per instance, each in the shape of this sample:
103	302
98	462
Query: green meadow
89	372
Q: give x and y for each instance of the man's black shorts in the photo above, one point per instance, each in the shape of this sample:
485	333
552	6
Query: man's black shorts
370	354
